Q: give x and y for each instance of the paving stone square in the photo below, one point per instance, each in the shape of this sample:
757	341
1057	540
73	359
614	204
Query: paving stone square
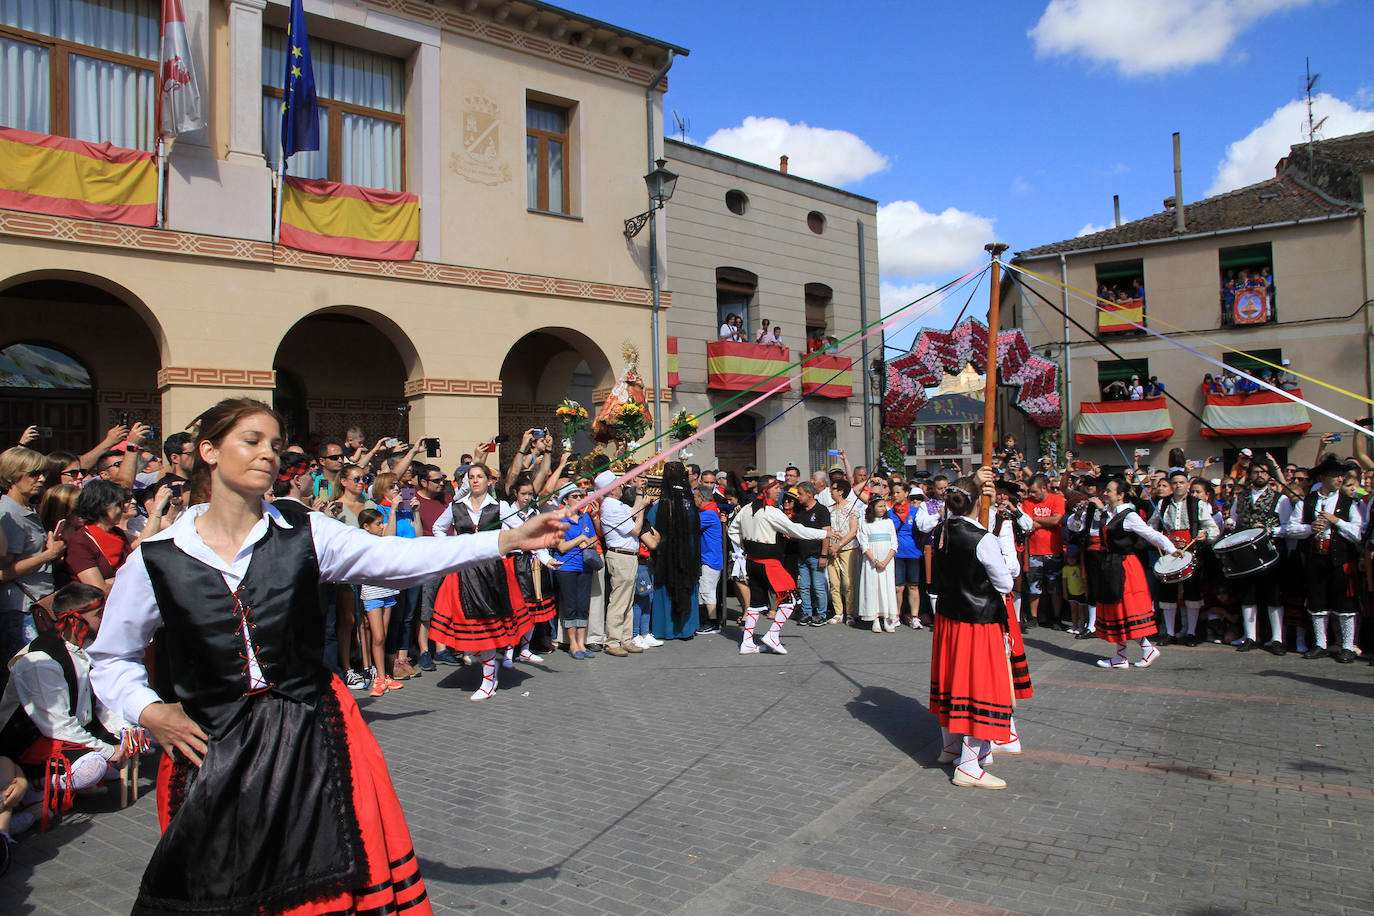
693	780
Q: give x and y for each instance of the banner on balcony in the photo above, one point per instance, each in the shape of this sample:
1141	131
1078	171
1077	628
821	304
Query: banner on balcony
41	173
1264	413
1120	316
827	376
732	366
1123	421
673	376
333	218
1251	306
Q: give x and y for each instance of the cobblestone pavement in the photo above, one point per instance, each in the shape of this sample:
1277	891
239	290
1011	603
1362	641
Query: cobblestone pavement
694	780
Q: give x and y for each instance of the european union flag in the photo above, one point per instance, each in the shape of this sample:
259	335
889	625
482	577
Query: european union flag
300	114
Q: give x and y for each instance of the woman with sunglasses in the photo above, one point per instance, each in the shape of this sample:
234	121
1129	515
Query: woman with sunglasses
28	549
273	794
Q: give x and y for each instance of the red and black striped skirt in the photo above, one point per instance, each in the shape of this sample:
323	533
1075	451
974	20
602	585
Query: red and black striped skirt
1020	668
970	685
1133	617
480	609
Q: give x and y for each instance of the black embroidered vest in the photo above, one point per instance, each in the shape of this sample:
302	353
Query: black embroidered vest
278	602
966	593
1115	537
1260	513
1341	550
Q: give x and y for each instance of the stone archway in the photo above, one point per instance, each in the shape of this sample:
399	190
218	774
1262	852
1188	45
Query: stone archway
344	366
541	369
81	352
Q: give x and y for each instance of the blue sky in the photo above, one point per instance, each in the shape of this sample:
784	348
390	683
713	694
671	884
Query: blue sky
1019	122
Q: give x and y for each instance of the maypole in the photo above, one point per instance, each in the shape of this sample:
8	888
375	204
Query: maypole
994	249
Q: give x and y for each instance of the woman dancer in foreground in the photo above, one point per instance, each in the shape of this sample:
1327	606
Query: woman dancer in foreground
273	795
970	681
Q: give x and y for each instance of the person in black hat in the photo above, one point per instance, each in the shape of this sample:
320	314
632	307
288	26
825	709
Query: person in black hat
1330	527
1259	506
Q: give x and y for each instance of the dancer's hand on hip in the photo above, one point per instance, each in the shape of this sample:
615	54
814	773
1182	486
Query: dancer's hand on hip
175	730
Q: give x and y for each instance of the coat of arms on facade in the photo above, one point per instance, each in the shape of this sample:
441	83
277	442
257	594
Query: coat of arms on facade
480	158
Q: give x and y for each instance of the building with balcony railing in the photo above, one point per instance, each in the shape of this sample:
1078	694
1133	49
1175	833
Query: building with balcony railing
454	246
759	244
1215	286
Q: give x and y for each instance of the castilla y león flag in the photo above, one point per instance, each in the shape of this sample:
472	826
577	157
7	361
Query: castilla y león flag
178	100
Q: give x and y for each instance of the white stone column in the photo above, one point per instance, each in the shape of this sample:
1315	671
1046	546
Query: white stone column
245	79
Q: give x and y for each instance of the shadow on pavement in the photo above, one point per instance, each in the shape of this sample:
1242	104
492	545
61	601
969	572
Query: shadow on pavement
1341	686
371	716
33	850
906	723
1066	652
479	874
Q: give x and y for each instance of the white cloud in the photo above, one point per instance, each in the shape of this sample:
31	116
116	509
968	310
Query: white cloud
915	243
896	295
1155	36
1021	185
1252	158
1089	229
833	157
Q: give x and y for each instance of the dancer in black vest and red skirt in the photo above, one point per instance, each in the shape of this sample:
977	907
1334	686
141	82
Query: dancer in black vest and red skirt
970	679
273	795
528	569
1125	610
479	610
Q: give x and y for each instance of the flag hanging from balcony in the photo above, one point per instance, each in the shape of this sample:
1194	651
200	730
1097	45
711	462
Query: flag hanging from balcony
732	366
1120	316
1264	413
1251	306
178	101
673	376
827	376
1123	421
333	218
300	115
41	173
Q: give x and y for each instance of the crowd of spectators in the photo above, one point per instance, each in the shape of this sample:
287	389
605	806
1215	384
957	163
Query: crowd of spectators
634	570
1231	382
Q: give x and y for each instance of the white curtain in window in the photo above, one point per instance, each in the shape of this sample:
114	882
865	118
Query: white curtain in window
370	149
126	26
24	86
110	103
312	164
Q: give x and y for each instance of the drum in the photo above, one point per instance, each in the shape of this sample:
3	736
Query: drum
1245	552
1170	569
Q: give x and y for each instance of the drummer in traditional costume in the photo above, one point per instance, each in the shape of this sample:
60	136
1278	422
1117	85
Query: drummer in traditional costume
1124	609
756	527
273	795
1330	526
479	610
1186	521
970	680
1265	511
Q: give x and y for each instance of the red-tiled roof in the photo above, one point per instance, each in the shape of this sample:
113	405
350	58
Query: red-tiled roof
1278	200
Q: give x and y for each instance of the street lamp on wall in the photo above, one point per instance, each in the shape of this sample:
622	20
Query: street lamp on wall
661	184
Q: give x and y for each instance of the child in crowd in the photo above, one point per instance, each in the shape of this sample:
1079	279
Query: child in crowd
776	339
764	336
377	604
878	541
1223	618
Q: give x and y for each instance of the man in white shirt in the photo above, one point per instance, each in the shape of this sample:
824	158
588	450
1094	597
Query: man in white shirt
621	524
1329	524
1260	506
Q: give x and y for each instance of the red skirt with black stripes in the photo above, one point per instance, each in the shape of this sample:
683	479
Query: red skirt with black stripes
970	683
480	609
1020	668
1133	617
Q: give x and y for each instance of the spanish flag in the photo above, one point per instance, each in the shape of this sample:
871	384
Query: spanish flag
332	218
827	376
1120	316
674	379
46	174
733	366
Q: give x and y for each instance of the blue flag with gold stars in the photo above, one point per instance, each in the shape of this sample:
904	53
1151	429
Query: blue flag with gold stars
300	117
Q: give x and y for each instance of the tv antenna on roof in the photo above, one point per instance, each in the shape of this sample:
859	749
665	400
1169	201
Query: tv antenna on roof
682	125
1312	125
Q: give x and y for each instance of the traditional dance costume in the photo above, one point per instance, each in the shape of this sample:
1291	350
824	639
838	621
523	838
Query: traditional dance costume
51	724
756	527
292	810
970	681
1124	608
1331	567
536	585
1260	508
480	609
1184	521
